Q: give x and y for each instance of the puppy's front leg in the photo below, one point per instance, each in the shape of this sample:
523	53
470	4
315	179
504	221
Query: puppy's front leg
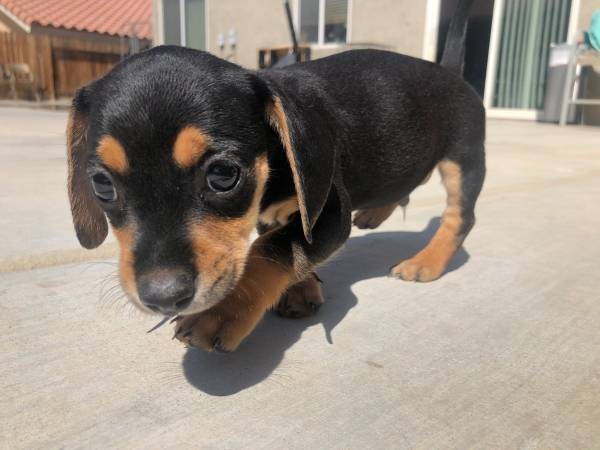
276	260
224	326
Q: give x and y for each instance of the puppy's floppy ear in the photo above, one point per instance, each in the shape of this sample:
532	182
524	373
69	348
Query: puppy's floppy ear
88	218
308	139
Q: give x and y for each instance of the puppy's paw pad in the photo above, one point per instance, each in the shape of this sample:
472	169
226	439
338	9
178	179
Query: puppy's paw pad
208	331
301	300
417	269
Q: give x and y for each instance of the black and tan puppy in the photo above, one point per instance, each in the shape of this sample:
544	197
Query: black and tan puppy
186	154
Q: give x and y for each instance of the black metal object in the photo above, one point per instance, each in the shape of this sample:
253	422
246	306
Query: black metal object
294	56
284	56
288	13
271	57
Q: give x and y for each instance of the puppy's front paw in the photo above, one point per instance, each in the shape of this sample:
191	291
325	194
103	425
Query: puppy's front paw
214	330
418	269
224	326
303	299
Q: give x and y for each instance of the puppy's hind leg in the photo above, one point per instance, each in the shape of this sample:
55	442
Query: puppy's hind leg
462	177
302	299
373	217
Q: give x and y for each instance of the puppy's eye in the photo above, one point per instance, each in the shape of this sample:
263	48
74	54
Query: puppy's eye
222	176
103	187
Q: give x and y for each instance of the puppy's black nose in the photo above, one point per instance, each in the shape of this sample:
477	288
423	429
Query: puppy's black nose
166	290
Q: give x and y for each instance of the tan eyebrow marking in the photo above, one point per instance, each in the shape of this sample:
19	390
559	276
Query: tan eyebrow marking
190	145
112	154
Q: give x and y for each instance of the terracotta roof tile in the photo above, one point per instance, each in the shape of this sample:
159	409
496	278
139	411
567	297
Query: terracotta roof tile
114	17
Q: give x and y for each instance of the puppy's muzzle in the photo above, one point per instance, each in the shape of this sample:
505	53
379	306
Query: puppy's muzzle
167	291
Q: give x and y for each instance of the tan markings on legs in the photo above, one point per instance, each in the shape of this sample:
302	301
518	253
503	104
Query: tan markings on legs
224	326
373	217
279	213
190	145
112	154
430	263
221	246
302	299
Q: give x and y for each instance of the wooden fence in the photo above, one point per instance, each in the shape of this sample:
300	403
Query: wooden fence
59	65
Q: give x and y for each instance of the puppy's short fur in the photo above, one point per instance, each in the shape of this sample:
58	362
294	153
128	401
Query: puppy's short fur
186	154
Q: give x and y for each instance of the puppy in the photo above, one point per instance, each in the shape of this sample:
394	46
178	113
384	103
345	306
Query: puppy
186	154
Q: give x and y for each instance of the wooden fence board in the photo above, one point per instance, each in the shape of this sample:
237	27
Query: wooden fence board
59	65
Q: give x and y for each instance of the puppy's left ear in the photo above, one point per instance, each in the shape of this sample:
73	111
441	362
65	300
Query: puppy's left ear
88	218
308	137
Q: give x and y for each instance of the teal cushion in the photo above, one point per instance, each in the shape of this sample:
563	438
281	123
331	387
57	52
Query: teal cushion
592	37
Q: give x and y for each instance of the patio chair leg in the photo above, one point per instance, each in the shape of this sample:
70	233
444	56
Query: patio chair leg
568	88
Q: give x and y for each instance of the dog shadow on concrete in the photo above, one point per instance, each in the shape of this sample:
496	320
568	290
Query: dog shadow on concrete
362	258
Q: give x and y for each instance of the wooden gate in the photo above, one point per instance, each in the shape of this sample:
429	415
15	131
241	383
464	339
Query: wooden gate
59	65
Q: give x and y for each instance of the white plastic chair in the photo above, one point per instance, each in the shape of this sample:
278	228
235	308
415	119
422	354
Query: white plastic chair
570	97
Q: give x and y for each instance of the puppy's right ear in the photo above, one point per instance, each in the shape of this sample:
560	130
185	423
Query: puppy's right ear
88	218
306	129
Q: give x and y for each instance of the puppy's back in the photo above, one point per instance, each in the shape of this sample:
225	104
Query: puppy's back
398	114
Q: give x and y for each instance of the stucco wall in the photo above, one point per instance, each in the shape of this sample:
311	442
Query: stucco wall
586	8
397	24
257	24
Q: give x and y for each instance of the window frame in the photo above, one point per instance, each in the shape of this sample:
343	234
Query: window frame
182	24
321	26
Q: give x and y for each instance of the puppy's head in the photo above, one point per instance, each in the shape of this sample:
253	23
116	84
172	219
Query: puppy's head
172	147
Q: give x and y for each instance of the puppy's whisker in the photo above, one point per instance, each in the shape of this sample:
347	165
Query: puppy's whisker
110	278
266	258
160	324
255	283
114	300
108	293
246	295
96	263
88	265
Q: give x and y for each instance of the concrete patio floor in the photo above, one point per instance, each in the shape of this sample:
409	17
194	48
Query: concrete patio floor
502	352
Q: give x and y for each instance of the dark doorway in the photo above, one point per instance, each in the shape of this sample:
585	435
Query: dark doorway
478	39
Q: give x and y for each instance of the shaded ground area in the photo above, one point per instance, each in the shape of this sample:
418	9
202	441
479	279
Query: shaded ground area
500	352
